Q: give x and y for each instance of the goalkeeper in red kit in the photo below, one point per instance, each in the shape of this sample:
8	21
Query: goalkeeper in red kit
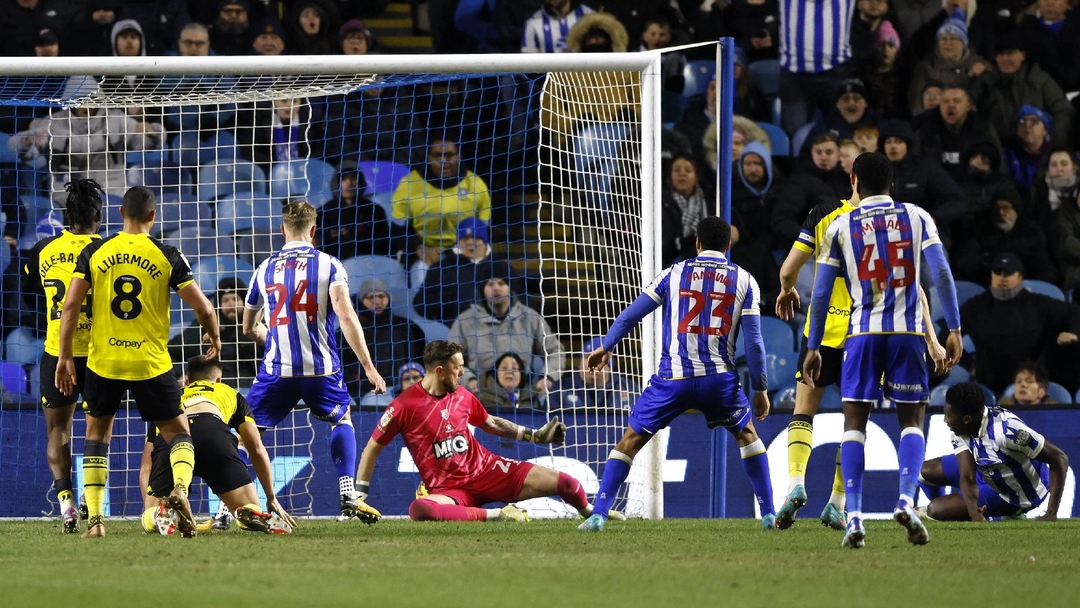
433	418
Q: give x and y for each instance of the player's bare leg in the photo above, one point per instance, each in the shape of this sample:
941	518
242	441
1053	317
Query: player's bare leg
96	471
58	452
177	434
756	464
910	455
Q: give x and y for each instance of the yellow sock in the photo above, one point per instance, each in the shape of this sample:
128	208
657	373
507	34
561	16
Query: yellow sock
182	459
95	474
838	497
800	442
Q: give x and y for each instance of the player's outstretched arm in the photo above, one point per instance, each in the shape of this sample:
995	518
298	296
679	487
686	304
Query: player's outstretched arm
788	301
552	432
367	467
260	459
69	318
1059	468
204	312
969	489
354	334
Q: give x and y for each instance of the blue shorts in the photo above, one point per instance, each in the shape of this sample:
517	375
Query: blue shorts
899	359
273	397
996	506
719	397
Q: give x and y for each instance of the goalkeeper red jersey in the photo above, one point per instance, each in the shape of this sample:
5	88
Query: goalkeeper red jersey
436	432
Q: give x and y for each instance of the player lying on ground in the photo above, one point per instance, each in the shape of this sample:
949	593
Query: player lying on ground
433	418
1001	466
703	299
212	408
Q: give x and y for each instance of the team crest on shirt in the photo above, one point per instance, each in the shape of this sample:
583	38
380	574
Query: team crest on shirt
387	416
463	192
1022	439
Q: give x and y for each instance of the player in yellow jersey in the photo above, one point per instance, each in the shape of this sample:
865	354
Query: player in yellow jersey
131	274
807	399
48	272
211	409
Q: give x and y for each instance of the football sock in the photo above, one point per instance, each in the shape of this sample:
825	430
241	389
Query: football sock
95	474
346	485
64	493
182	459
853	462
343	448
910	458
615	471
424	509
800	442
837	498
930	490
570	491
223	510
755	462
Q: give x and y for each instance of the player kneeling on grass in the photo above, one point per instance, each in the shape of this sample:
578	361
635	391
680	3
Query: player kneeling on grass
211	409
433	418
1002	466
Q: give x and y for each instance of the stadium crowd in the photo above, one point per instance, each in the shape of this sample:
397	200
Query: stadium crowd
974	103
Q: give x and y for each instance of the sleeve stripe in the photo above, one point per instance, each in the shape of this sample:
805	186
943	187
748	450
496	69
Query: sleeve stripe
653	295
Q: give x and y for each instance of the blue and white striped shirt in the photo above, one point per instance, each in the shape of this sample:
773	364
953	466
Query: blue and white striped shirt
546	34
1005	451
292	287
815	35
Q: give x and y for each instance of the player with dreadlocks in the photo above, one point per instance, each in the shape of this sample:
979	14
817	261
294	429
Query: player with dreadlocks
48	273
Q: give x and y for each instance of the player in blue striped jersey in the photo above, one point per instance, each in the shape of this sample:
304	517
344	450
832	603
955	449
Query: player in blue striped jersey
1002	466
876	249
704	299
300	291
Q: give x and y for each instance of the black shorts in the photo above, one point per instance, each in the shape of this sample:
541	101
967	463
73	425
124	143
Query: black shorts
217	460
157	398
50	395
831	360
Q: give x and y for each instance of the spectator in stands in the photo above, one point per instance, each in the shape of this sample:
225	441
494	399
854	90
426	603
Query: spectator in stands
985	21
749	100
699	115
913	14
312	29
1017	82
1051	36
751	205
683	205
408	375
230	34
507	385
275	131
498	323
952	63
1028	148
547	29
22	20
930	99
1029	387
755	25
374	123
161	21
352	225
604	388
477	19
437	196
47	44
1057	185
92	35
945	135
194	41
1004	228
656	35
355	38
870	17
600	33
819	179
269	37
1009	324
1065	241
743	131
510	20
865	137
849	151
812	67
921	181
392	340
239	355
849	111
981	180
879	73
128	41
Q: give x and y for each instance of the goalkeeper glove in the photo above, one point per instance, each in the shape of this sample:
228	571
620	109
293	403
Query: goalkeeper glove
552	432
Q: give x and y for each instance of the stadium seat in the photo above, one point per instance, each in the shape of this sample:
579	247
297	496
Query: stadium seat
310	179
969	344
13	377
696	76
7	155
991	398
22	347
1044	288
258	247
219	180
145	157
187	150
937	395
34	376
180	316
36	206
781	368
381	176
598	143
433	330
387	269
373	400
1076	398
766	75
245	212
163	179
777	335
937	312
209	271
1053	391
781	145
671	107
965	290
175	213
955	376
831	399
799	138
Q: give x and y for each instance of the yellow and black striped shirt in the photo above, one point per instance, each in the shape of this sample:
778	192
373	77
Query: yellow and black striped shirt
838	323
48	272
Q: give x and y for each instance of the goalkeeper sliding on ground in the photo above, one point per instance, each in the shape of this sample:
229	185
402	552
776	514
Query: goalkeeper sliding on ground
460	475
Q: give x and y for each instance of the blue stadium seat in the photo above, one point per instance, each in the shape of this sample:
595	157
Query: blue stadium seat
781	145
209	271
965	290
163	179
831	399
256	248
6	154
364	267
34	376
175	213
381	176
219	180
969	344
22	347
1044	288
247	212
371	399
145	157
1076	398
180	316
1053	391
598	143
199	241
188	151
13	377
433	330
36	206
991	398
777	335
955	376
799	138
766	75
937	395
310	179
781	368
696	76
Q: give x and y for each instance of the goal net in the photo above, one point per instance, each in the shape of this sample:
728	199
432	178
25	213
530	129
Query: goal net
556	155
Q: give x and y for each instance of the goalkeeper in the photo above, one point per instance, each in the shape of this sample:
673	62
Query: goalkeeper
433	418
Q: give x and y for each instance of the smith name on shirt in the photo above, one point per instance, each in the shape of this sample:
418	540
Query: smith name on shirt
293	259
132	259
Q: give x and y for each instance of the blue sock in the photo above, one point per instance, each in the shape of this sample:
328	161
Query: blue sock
615	472
343	448
755	462
910	458
853	464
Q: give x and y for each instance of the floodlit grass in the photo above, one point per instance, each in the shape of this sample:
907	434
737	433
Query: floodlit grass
544	563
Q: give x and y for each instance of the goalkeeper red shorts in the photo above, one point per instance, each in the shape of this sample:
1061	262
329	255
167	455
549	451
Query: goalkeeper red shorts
501	483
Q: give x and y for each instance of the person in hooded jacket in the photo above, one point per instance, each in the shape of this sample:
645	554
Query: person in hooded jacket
980	180
1065	241
392	340
819	179
751	205
1056	185
351	224
312	25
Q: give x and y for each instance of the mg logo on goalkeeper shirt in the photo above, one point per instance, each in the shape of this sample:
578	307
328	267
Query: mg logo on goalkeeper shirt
446	448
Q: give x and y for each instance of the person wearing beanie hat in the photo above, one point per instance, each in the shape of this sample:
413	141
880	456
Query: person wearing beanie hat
392	340
870	16
408	375
1057	188
850	109
352	224
1026	151
604	388
239	354
1015	82
497	323
880	75
952	63
354	38
312	25
269	37
231	32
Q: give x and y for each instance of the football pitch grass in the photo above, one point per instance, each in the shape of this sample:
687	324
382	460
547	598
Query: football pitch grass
674	562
